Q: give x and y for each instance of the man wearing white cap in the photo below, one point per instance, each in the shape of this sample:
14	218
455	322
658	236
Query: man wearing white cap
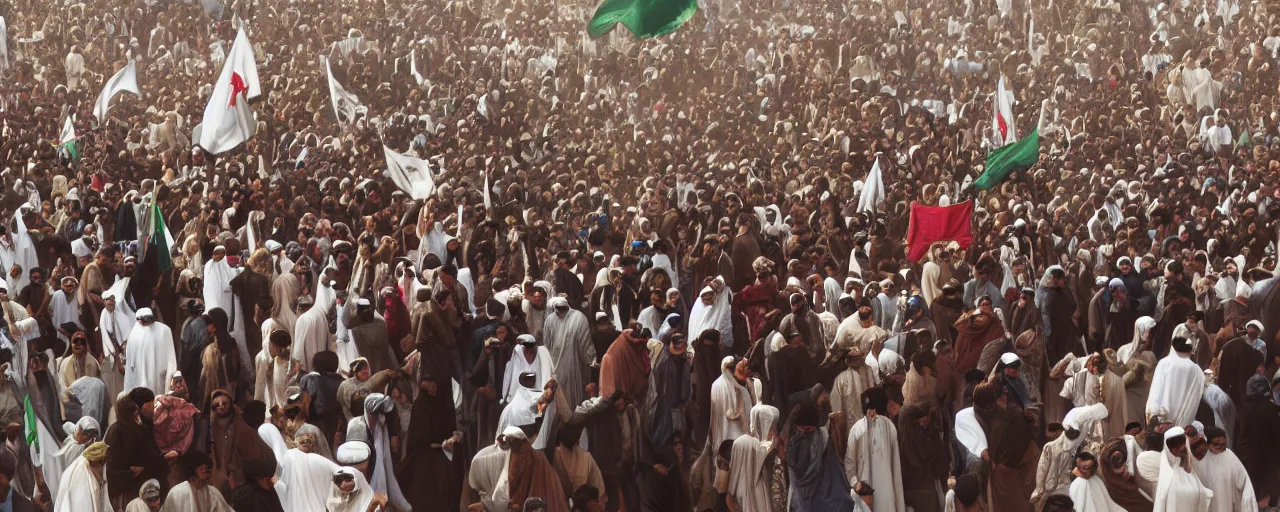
149	357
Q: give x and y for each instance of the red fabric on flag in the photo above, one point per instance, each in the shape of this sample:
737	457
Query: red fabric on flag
931	224
1004	127
237	87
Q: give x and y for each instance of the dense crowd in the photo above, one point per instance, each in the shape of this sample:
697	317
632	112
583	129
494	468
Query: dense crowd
664	274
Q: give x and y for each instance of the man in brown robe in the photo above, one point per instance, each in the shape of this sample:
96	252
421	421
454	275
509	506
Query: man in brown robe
1009	434
530	475
93	281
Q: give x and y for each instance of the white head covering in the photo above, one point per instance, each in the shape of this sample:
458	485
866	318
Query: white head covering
352	452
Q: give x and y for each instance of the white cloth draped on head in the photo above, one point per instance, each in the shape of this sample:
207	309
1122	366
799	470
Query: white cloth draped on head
356	501
568	340
731	404
78	489
1141	329
489	476
747	482
764	420
523	410
372	428
93	395
540	367
1179	490
304	478
718	315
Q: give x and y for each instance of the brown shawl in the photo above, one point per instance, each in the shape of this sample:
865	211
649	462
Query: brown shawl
1120	485
973	332
531	475
625	367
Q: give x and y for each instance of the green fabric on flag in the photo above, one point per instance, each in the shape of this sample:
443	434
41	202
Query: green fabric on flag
33	437
1009	159
71	150
645	18
163	240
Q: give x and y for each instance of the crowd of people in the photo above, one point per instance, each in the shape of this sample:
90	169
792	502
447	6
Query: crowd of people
667	274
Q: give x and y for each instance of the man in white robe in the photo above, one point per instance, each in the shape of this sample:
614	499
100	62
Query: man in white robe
149	357
195	494
731	403
116	324
1221	471
872	453
74	67
1088	492
846	392
748	483
79	437
860	331
488	476
527	357
1179	490
275	370
65	308
311	334
217	290
83	486
1057	460
567	336
1176	385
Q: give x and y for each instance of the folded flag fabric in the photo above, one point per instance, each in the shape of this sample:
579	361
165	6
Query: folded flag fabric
644	18
228	120
124	81
67	146
931	224
1009	159
412	175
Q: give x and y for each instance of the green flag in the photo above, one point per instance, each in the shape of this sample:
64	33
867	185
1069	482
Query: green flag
645	18
70	151
33	437
155	232
1006	160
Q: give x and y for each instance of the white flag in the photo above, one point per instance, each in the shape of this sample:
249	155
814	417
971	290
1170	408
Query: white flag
228	120
344	103
413	67
488	203
872	189
124	81
4	45
412	175
1004	129
482	106
68	131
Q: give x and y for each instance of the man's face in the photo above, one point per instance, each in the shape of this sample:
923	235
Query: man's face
68	287
1086	468
1126	268
1218	444
538	299
78	346
741	372
203	473
222	405
1253	331
110	303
